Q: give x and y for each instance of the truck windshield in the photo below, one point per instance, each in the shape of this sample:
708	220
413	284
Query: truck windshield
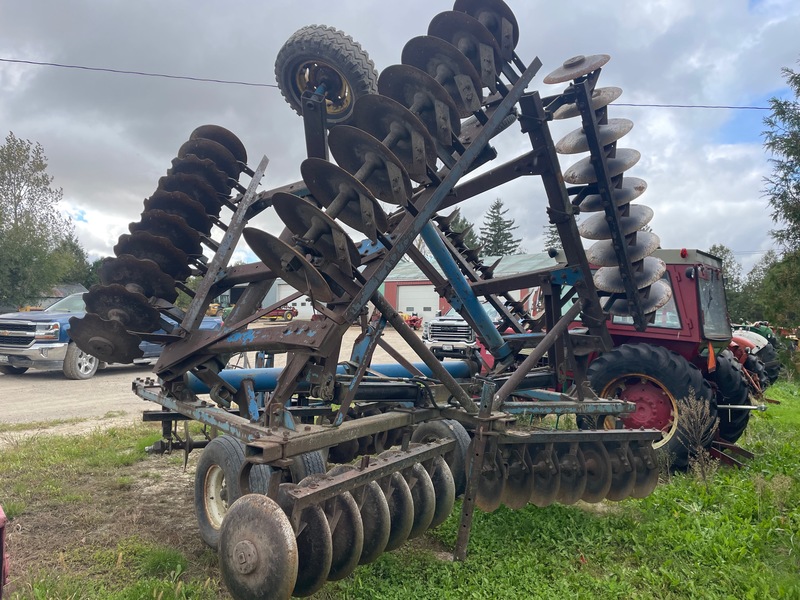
73	303
712	304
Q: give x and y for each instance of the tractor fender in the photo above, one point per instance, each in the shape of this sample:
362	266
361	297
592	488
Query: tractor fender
750	340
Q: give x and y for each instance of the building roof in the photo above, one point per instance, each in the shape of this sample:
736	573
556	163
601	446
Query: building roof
509	265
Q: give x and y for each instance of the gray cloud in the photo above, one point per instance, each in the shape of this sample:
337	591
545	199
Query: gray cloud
110	137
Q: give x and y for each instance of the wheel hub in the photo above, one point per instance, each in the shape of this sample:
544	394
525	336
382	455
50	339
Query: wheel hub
654	407
246	557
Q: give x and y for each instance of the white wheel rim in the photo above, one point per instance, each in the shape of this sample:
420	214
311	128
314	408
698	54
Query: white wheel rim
215	496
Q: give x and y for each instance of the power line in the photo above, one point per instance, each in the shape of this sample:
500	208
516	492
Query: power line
272	85
139	73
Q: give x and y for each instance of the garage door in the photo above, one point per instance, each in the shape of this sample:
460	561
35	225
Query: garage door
420	299
302	304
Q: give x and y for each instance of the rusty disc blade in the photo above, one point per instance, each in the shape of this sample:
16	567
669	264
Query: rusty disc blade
623	477
115	303
106	340
172	227
424	496
328	183
572	467
303	218
491	483
425	97
288	264
608	279
449	67
160	250
652	298
575	67
601	97
583	170
498	18
204	168
215	152
607	133
519	484
388	120
138	275
601	254
258	552
372	163
445	489
401	509
375	517
546	476
473	40
596	227
347	530
647	471
181	205
196	187
632	188
598	471
314	544
224	137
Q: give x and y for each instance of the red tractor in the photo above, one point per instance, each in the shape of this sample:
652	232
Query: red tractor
687	351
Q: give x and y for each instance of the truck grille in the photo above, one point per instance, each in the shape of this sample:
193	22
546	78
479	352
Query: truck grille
16	333
451	333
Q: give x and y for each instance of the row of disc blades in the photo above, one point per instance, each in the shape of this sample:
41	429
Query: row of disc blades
162	249
541	474
633	219
259	547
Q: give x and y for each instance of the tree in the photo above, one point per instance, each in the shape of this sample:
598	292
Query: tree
755	297
551	238
496	237
781	303
31	227
461	224
732	276
75	265
782	187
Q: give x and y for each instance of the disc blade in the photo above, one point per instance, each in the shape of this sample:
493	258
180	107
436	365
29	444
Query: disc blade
115	303
575	67
631	188
583	170
601	97
546	476
623	473
598	471
602	253
224	137
607	133
139	275
608	279
519	484
106	340
445	489
572	467
491	483
647	471
596	227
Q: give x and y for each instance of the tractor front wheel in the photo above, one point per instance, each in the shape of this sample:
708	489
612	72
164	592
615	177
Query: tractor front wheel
732	389
661	384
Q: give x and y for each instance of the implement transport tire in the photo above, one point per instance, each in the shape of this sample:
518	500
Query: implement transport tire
457	459
216	484
318	54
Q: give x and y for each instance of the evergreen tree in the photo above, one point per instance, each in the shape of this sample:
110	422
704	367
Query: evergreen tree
497	238
460	224
732	276
551	238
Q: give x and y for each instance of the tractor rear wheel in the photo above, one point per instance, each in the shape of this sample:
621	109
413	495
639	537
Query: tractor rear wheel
660	383
772	364
732	388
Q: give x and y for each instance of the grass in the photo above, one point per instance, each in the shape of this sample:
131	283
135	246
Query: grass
732	536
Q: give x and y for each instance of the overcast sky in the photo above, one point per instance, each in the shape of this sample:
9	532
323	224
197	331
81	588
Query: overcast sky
109	137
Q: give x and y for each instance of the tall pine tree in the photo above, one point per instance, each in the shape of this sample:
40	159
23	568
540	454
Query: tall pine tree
497	238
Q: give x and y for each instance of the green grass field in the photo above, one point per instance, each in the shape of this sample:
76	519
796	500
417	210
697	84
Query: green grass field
735	535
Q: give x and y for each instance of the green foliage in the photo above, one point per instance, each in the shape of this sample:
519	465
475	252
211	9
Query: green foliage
31	227
782	187
755	296
780	287
497	238
551	238
460	224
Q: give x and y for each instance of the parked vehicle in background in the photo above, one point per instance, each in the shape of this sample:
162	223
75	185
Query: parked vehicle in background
449	336
285	312
40	340
413	320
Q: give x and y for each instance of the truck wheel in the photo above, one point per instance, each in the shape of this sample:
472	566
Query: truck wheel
318	54
78	364
457	460
9	370
732	388
288	316
216	484
772	364
659	382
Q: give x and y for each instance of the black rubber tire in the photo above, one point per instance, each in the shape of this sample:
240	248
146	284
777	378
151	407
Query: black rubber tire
310	463
457	459
732	388
317	45
758	372
666	370
78	364
288	316
9	370
772	364
223	456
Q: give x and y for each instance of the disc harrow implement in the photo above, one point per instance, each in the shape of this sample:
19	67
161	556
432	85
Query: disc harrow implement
410	437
